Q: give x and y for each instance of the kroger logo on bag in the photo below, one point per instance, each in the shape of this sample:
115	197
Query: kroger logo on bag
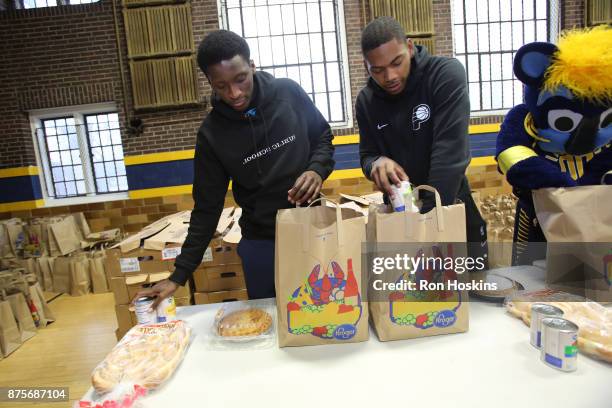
345	332
445	318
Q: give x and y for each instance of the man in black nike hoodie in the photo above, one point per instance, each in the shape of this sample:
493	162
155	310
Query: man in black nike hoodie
268	138
413	118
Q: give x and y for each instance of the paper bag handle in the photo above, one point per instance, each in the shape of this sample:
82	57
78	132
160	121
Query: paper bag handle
439	212
306	228
603	178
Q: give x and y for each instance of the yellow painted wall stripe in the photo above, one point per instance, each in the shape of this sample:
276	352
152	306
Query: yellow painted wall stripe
159	157
348	139
160	191
483	161
19	171
345	174
338	140
21	205
486	128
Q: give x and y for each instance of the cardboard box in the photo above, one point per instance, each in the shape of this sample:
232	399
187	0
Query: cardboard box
218	278
220	252
138	261
126	319
219	297
125	288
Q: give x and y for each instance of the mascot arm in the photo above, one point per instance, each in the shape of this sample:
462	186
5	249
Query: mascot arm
523	167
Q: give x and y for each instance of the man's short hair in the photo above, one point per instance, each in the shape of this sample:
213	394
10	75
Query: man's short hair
219	46
380	31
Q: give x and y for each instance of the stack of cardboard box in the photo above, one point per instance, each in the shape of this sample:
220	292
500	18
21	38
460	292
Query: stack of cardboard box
142	260
220	277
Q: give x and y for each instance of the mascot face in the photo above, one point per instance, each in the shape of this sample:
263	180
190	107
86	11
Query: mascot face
566	121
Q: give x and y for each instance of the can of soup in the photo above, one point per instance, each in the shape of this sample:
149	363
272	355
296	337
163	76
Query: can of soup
540	311
166	310
559	343
144	314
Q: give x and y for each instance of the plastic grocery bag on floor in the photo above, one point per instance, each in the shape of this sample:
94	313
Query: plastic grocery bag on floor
10	338
21	311
318	276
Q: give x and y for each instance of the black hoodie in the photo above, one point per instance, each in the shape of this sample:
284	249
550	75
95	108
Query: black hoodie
263	151
424	128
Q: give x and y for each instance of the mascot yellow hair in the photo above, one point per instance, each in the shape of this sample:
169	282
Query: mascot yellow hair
583	64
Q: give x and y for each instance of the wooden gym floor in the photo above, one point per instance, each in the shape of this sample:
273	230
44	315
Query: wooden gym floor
64	353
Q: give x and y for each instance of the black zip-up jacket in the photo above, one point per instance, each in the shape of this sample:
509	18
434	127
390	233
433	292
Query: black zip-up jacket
424	129
263	151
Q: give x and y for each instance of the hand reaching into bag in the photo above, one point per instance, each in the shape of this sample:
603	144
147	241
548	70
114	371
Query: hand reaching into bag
306	188
385	173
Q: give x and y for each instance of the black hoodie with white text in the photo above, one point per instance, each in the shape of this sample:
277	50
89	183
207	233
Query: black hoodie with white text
262	151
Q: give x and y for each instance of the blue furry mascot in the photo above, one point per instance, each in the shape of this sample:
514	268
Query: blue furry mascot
561	136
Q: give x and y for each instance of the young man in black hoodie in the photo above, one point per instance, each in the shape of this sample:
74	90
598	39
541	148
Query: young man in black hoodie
413	118
268	138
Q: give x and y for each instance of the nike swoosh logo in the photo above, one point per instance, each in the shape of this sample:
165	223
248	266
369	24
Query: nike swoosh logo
382	126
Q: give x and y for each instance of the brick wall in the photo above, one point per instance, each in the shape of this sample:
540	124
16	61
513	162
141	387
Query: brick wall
133	215
62	56
572	13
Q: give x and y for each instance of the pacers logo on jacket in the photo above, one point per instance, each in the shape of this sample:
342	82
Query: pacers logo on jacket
420	114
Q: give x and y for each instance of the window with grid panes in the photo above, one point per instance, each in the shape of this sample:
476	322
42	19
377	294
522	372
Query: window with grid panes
81	154
297	39
29	4
486	36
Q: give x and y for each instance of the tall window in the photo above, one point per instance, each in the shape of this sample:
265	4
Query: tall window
29	4
297	39
487	34
81	154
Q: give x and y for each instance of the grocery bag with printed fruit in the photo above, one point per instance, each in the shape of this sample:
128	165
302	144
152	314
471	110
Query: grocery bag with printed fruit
318	276
437	236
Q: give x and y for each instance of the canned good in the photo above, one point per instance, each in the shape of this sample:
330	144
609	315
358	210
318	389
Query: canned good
559	349
402	197
166	310
144	314
540	311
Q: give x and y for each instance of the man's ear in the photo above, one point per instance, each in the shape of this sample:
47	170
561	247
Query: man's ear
410	46
252	65
531	62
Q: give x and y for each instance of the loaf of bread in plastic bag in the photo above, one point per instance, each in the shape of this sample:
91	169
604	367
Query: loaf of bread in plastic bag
593	320
147	355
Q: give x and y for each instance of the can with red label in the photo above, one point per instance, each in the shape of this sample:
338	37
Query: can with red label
559	343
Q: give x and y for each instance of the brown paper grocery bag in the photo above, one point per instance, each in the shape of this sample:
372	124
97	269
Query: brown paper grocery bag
318	276
66	235
577	223
10	338
79	276
44	265
45	314
21	311
16	236
99	283
410	314
61	274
